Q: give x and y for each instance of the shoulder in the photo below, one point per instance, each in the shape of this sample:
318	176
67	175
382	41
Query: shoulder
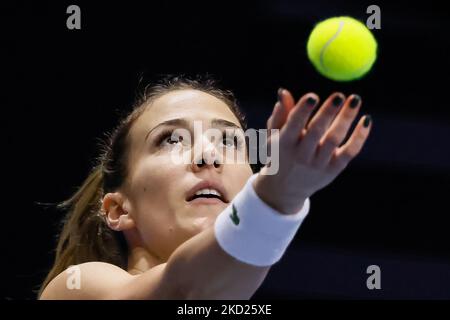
90	280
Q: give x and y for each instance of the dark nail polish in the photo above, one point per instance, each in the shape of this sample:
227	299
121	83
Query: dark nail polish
311	101
355	101
337	101
367	121
280	98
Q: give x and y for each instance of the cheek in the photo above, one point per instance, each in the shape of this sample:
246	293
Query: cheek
238	175
154	186
154	176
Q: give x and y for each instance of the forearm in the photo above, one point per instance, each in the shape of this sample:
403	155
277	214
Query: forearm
204	271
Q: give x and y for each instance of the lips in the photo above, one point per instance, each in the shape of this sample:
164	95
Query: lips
217	193
206	201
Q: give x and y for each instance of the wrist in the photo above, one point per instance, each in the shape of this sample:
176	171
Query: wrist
254	233
270	196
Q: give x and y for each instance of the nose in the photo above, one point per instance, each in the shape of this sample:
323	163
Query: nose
207	157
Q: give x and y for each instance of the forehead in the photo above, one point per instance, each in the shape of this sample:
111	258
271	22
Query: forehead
186	104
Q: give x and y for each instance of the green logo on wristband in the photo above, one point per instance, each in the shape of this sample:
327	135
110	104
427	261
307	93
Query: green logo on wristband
234	217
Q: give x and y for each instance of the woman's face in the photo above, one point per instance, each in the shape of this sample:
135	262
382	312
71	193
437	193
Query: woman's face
160	189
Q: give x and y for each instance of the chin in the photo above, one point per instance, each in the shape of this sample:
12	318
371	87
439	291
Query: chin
203	223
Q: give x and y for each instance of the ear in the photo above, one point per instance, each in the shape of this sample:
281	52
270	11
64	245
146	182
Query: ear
115	208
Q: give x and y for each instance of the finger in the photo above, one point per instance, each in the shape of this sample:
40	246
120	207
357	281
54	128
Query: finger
286	100
279	116
344	154
275	118
298	118
269	123
281	110
337	132
318	126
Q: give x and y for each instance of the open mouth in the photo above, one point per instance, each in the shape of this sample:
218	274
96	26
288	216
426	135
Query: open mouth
207	193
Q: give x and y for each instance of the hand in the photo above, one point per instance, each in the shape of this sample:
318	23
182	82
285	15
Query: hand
311	155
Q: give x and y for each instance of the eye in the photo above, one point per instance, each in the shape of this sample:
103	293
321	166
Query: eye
172	140
230	140
169	137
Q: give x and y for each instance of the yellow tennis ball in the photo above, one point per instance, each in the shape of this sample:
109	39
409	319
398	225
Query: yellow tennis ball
342	48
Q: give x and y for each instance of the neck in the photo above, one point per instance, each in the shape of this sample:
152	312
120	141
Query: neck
141	260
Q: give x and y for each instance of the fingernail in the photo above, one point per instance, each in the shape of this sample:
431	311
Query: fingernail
280	97
311	101
367	121
355	101
337	101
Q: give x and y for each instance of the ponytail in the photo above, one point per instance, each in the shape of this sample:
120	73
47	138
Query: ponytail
85	236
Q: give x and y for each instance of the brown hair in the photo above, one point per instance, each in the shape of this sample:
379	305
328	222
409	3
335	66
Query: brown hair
84	235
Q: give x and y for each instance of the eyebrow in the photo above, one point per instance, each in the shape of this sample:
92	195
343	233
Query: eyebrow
180	122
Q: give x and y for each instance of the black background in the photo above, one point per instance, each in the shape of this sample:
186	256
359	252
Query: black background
62	89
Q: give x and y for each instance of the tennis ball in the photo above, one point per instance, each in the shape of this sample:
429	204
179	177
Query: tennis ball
342	48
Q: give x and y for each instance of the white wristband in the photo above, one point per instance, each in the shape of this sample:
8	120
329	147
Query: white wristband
253	232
